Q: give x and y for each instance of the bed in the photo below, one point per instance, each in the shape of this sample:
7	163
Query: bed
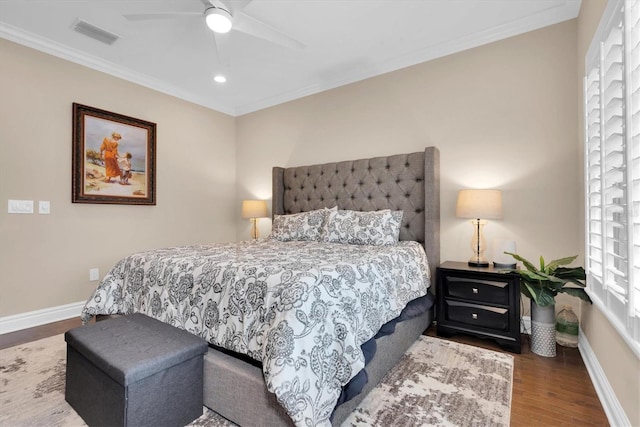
329	329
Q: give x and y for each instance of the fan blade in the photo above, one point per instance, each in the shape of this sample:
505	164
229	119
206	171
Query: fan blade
239	4
155	16
250	25
230	5
220	52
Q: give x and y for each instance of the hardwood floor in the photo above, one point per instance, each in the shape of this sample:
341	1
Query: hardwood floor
39	332
547	391
553	391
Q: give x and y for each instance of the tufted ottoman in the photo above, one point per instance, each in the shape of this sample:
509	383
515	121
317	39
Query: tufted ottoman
134	371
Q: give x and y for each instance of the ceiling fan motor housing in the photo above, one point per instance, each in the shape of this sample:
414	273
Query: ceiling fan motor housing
218	19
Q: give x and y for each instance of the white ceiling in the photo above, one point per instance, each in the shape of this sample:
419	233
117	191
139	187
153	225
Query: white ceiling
345	41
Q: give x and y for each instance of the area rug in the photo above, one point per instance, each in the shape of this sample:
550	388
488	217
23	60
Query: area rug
437	382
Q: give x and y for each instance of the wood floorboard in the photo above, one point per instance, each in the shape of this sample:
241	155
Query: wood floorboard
554	391
33	334
547	391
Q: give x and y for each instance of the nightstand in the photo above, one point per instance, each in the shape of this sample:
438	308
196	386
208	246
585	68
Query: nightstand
480	301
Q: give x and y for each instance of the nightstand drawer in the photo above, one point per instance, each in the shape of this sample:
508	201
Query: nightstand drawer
477	315
481	301
484	291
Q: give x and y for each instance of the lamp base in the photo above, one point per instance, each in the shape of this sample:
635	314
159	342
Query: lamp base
478	263
254	229
478	245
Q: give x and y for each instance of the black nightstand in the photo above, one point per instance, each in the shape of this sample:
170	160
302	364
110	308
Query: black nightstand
481	301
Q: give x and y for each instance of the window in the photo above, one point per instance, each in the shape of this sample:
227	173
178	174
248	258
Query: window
612	167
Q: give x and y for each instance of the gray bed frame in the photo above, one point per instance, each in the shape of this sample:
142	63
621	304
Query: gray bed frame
408	182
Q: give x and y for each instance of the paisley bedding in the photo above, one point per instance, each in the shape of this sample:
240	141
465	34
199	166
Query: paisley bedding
302	309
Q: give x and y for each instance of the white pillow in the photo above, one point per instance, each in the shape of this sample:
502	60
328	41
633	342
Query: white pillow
304	226
364	228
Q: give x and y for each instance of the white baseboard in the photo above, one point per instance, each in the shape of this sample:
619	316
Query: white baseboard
610	403
612	408
40	317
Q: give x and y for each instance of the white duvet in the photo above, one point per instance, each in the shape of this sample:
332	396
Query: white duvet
301	308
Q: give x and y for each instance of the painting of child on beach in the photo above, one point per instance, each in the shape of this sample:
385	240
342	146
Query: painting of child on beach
114	158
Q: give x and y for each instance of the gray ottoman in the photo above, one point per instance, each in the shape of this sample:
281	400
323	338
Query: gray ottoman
134	371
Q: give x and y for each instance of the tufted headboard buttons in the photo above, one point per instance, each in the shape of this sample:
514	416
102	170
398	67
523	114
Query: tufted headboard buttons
407	182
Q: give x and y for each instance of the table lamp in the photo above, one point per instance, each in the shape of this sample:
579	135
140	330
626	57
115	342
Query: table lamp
479	205
254	209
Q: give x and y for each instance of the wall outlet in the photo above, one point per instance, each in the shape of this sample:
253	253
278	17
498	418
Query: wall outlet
94	274
44	207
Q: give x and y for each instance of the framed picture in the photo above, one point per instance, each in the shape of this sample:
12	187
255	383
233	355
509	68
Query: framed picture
114	158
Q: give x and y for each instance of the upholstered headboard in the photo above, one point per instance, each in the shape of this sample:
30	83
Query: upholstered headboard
407	182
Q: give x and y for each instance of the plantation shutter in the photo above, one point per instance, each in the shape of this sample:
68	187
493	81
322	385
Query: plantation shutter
612	167
633	115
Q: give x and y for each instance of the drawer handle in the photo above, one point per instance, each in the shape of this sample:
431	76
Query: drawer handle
474	316
475	290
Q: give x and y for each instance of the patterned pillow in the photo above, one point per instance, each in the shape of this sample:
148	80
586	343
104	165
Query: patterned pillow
364	228
304	226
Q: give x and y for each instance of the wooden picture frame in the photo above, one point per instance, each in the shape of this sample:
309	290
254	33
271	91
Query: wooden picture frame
114	158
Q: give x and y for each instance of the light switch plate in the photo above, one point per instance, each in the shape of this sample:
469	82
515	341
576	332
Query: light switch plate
44	207
20	206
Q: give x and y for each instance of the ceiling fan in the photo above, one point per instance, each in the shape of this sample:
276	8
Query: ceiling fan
223	16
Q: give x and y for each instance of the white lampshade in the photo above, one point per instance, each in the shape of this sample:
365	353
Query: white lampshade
479	204
218	20
254	208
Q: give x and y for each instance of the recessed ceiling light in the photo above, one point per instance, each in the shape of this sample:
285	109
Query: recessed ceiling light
220	79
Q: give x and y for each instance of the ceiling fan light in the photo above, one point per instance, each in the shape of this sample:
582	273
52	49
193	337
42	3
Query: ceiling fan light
218	20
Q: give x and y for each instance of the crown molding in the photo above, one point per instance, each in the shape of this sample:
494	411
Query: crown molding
58	50
552	15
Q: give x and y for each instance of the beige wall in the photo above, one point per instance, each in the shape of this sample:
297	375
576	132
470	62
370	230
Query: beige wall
45	259
620	365
503	116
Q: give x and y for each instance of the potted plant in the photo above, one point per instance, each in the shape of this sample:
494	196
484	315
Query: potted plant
541	285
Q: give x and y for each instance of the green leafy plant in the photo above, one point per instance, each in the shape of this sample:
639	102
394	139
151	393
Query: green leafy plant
544	283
